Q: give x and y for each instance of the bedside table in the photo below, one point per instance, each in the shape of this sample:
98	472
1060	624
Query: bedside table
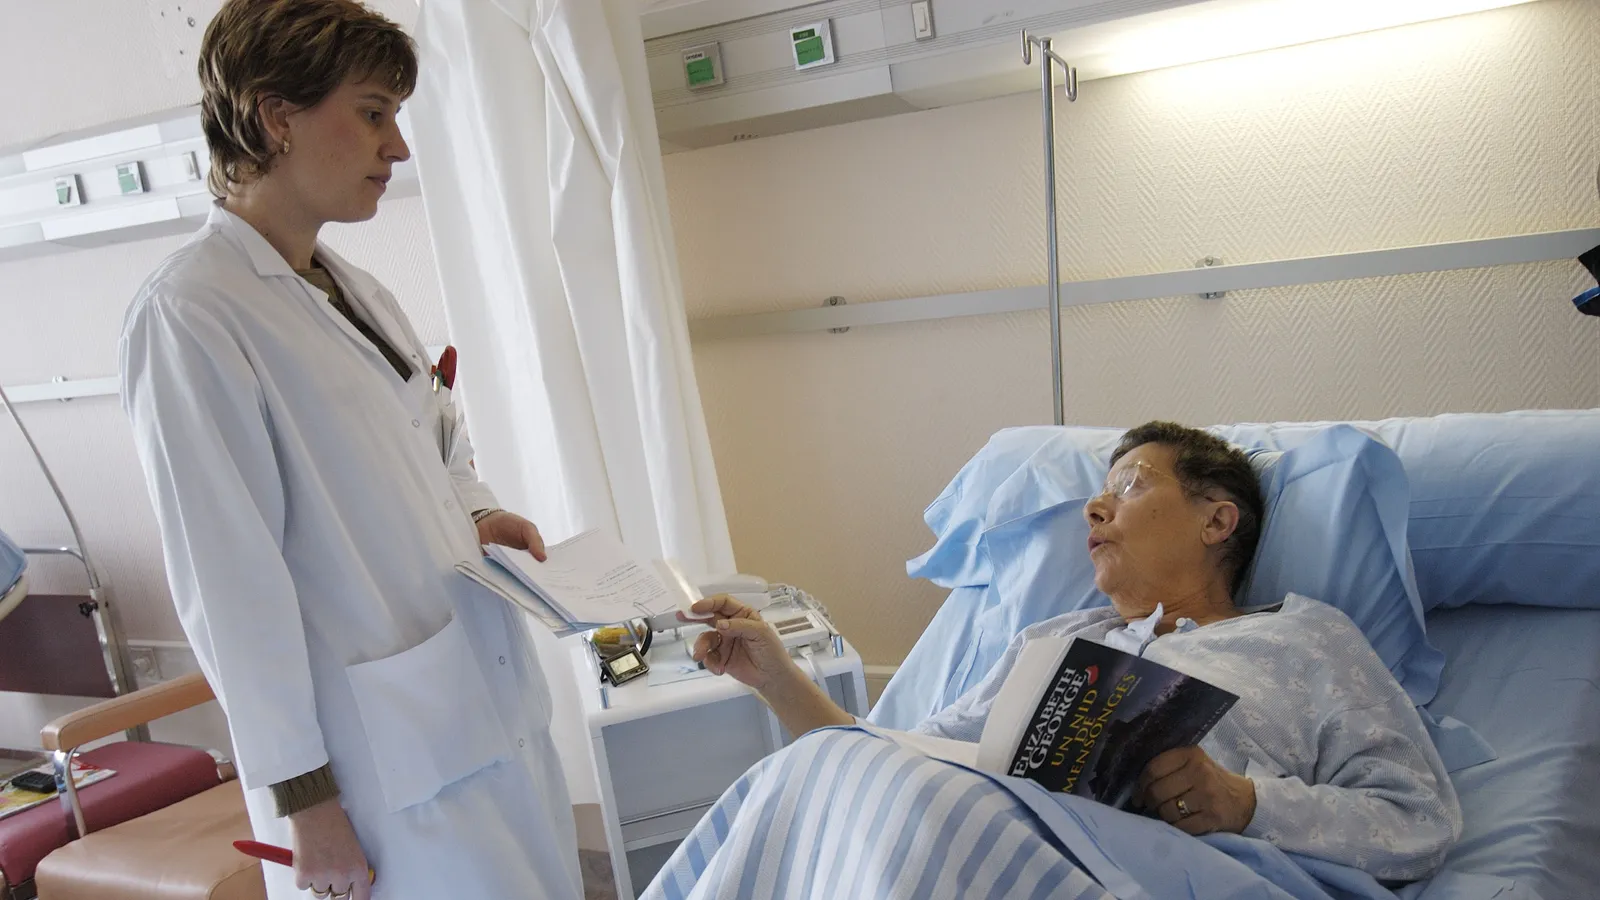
664	753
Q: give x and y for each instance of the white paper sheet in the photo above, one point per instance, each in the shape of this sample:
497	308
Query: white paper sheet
496	578
592	580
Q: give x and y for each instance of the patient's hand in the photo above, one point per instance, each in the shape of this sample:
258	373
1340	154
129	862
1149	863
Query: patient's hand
743	645
1189	790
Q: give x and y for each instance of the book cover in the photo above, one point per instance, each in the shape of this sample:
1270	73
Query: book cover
1104	715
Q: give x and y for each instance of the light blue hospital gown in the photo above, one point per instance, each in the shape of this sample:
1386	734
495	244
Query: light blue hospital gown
1343	768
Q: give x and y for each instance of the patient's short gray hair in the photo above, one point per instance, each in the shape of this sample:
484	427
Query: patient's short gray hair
1208	466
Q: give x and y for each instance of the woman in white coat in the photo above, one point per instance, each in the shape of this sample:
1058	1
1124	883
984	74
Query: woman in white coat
315	494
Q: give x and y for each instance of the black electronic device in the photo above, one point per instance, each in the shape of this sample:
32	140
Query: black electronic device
37	782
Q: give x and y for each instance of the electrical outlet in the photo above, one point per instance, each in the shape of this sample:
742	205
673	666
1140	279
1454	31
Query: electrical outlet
922	20
146	667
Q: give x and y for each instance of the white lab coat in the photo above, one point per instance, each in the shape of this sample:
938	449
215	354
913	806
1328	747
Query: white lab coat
312	528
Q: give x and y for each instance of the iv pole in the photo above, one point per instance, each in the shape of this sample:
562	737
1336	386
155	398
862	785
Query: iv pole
1047	61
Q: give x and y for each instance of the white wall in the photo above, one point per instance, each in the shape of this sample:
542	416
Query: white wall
829	446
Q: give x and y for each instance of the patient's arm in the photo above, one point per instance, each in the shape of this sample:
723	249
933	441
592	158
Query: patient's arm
801	705
1381	802
744	646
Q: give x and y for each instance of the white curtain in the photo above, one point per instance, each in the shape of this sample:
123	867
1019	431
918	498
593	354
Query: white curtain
541	172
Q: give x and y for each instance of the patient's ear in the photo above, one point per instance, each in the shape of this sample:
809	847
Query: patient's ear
1221	520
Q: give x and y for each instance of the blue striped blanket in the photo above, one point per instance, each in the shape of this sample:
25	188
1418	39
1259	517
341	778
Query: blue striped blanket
846	813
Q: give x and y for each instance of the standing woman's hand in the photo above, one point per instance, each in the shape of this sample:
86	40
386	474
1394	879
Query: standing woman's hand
511	530
328	859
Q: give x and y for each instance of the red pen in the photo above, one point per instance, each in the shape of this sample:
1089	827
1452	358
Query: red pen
279	855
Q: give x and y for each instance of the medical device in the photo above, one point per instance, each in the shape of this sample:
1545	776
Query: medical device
801	622
624	667
620	650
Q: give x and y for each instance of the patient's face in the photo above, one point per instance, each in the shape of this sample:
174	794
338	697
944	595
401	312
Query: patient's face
1147	544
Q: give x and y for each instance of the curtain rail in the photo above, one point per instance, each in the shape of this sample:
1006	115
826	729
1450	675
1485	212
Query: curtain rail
1483	253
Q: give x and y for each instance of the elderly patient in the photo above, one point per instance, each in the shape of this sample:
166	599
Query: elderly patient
1323	755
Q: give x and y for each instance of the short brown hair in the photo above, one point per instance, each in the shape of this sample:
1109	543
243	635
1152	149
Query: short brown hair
1207	464
300	50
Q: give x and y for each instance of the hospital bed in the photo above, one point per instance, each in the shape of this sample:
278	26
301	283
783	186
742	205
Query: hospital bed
1502	525
1529	681
1464	548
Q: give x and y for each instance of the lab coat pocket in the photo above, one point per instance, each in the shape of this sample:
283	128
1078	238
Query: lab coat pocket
428	716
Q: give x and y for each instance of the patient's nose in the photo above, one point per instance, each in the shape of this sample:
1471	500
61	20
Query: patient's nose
1098	510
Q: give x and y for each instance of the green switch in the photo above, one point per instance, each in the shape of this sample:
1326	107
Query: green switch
813	45
701	71
69	191
129	179
702	66
808	48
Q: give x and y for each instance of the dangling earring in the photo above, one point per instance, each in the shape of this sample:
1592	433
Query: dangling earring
285	150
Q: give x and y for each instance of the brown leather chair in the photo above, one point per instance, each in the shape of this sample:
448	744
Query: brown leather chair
179	851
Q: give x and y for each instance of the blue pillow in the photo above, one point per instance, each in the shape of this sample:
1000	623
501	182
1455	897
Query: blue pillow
1505	507
958	516
1335	531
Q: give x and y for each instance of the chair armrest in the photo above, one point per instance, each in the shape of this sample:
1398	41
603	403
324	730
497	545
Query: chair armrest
121	713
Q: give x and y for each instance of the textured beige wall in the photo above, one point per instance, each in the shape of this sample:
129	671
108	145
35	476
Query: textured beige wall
829	446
